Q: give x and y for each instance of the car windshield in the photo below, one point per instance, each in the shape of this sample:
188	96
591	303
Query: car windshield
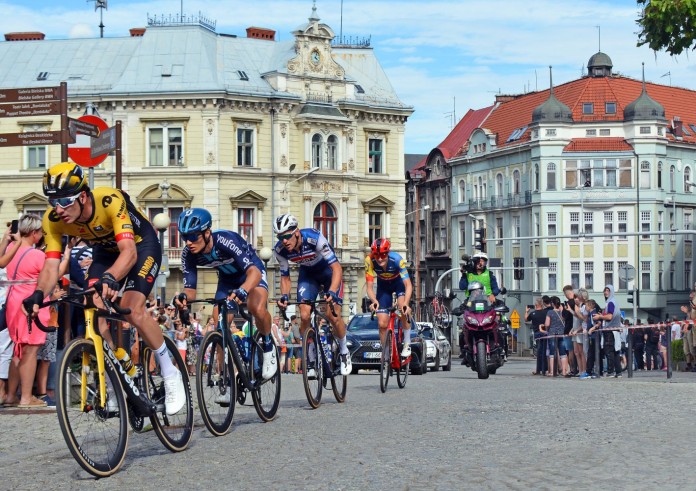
427	333
362	323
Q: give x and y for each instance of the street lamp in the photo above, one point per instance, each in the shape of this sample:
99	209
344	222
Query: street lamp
161	221
292	167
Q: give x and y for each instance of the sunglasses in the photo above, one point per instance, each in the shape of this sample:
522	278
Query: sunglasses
381	255
191	237
63	202
286	236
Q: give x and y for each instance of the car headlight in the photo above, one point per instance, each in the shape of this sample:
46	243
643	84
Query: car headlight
430	348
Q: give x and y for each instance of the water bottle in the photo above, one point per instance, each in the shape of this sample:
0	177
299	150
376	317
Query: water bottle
242	344
126	362
327	348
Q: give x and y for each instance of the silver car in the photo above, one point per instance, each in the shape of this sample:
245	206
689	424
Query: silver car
438	351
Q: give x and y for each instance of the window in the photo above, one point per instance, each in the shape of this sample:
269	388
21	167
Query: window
604	132
37	157
553	280
608	223
462	191
672	179
245	147
551	132
644	130
575	223
551	177
375	231
551	225
687	275
166	146
587	220
610	169
659	175
660	274
439	227
571	173
597	173
672	275
317	147
245	221
589	275
672	226
645	224
660	223
645	268
591	132
610	107
645	175
499	185
462	234
608	272
516	229
687	223
585	175
516	185
499	230
537	178
687	179
325	221
332	152
623	223
587	108
171	235
575	274
537	226
375	156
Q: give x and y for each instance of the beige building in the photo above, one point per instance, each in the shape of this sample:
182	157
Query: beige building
246	127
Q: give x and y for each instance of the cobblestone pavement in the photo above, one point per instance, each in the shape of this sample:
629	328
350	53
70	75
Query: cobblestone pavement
446	430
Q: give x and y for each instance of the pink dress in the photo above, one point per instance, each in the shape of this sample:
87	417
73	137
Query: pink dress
31	265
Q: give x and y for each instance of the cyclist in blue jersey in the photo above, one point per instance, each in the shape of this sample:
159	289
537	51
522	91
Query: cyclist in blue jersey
392	278
318	267
241	274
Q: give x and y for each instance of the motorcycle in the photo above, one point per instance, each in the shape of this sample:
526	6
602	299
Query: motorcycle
484	330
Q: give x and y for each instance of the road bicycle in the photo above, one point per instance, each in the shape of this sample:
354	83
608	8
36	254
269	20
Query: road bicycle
391	359
96	398
229	367
438	313
321	360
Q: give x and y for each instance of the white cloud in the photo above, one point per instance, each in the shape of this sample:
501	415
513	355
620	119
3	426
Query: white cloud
81	31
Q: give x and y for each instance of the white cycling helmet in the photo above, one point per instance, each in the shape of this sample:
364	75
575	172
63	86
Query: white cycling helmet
480	255
284	223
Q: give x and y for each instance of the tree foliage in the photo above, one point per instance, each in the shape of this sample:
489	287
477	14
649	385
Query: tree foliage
668	25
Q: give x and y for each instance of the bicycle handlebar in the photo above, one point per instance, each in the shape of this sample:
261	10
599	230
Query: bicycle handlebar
312	303
231	305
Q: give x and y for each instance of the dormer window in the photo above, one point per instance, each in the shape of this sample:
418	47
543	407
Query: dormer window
610	107
587	108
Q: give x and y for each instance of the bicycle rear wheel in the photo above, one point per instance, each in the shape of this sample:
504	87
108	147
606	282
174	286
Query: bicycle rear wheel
96	436
339	383
404	363
385	361
173	430
215	384
312	367
266	395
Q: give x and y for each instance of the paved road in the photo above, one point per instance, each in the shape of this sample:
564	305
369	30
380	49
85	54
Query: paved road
446	430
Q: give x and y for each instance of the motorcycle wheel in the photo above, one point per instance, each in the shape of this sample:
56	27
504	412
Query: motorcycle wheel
481	365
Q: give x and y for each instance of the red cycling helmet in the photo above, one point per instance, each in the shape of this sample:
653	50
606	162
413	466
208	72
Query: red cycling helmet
381	247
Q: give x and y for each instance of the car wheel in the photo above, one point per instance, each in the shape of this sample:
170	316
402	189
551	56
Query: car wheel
448	366
437	362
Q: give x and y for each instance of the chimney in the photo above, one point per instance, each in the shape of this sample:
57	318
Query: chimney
24	36
677	127
500	98
261	33
137	32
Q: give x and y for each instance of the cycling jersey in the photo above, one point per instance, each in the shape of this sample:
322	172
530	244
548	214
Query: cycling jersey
394	269
314	253
231	256
114	218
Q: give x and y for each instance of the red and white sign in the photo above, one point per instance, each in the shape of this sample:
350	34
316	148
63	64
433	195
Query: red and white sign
80	152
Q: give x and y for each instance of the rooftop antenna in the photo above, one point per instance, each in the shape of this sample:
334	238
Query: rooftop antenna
599	38
100	4
340	32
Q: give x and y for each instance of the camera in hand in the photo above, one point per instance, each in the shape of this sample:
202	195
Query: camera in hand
467	264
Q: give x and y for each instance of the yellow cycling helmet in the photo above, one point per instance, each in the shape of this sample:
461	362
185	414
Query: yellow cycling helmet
64	180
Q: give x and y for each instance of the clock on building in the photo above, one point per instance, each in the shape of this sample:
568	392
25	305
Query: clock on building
315	57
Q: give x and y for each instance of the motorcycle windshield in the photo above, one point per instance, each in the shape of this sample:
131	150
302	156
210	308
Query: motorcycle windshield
478	306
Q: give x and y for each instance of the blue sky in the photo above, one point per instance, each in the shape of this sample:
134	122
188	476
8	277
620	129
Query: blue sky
442	56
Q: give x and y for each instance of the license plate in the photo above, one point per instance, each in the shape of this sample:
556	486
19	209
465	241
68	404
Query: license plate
372	354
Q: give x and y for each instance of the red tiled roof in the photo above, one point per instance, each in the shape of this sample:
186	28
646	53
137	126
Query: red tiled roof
459	136
598	145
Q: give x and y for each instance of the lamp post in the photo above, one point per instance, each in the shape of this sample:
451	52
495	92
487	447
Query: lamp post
292	167
417	251
265	253
161	222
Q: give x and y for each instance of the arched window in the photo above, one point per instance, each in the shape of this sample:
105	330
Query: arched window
332	152
672	179
499	185
537	178
481	190
317	144
325	221
659	175
462	191
551	177
516	185
687	179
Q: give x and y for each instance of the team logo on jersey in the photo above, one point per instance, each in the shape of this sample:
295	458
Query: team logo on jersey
53	216
127	226
312	240
147	266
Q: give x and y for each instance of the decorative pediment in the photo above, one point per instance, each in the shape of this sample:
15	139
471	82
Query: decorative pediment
247	199
31	200
157	195
378	202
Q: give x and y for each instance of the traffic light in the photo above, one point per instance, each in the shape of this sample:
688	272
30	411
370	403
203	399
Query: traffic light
480	239
518	272
633	295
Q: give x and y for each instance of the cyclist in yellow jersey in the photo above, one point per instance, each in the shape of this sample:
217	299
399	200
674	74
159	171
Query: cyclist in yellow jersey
108	220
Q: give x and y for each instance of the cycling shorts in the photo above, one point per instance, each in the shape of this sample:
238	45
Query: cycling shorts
385	290
309	282
141	277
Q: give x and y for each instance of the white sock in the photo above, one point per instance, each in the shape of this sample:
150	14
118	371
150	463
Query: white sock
166	366
407	336
342	344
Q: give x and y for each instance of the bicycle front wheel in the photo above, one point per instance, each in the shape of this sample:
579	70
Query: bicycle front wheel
312	367
266	393
385	361
96	431
339	383
215	384
173	430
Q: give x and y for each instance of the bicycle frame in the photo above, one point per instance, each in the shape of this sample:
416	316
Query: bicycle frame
396	361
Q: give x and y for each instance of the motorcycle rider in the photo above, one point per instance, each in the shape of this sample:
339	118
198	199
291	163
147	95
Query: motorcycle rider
475	270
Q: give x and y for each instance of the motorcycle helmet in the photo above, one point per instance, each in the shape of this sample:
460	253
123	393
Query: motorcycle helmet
380	247
473	286
284	223
64	180
194	220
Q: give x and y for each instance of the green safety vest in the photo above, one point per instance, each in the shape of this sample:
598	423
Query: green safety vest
484	278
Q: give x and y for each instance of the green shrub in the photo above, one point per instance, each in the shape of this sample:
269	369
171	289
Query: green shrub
678	350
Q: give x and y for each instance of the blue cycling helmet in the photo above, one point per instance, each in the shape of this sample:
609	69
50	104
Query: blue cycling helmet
194	220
